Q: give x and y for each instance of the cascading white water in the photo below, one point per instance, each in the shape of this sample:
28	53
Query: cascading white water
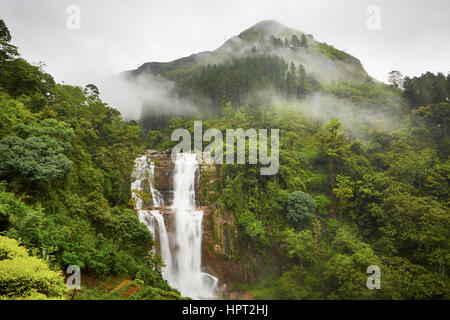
153	219
189	278
149	220
164	246
157	197
183	265
139	175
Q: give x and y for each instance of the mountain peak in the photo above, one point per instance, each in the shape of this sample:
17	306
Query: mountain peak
323	62
268	24
266	28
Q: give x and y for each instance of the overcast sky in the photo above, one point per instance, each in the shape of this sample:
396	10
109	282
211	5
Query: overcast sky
117	35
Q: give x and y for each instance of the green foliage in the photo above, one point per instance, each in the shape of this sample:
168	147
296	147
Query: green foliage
26	277
405	280
301	207
389	190
323	203
251	226
150	293
427	89
299	245
66	159
26	82
346	270
332	140
7	50
413	167
233	81
38	153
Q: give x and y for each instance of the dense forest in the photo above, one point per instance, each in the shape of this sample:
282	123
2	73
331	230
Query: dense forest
340	203
365	185
370	188
66	160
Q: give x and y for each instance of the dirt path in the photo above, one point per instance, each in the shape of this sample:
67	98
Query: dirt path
125	282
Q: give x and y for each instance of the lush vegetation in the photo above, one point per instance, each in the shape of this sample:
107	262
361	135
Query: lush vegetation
212	79
350	192
66	160
344	198
25	277
370	187
235	81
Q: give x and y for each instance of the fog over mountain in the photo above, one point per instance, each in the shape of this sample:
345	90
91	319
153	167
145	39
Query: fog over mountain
117	36
151	87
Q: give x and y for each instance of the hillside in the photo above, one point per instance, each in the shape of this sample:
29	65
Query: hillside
66	160
265	56
362	178
318	58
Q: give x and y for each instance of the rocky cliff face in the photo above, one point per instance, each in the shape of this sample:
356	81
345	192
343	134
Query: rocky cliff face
223	255
163	175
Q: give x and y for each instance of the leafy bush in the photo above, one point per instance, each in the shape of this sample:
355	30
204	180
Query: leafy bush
251	225
37	151
300	207
25	277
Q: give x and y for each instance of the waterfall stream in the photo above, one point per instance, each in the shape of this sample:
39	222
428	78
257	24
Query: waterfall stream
182	252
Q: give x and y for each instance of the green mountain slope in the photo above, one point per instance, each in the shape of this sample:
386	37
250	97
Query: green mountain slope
322	60
266	57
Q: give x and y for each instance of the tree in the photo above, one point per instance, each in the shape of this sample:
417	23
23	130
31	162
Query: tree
7	50
4	32
396	79
301	207
276	42
295	42
291	79
333	147
437	117
345	272
37	151
413	167
301	90
416	227
427	89
228	111
300	245
91	90
34	158
19	78
405	280
304	42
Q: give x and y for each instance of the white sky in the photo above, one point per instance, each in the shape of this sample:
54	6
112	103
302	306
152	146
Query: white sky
117	35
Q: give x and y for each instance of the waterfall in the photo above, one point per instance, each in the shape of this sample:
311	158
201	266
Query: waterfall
191	281
139	174
153	219
183	252
157	197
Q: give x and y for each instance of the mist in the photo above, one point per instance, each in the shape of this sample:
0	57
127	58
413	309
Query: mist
155	97
145	93
322	107
326	107
317	65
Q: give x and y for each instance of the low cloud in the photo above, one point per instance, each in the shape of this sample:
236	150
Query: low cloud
144	93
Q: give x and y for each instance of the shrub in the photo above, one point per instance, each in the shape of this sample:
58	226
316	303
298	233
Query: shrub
25	277
300	207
